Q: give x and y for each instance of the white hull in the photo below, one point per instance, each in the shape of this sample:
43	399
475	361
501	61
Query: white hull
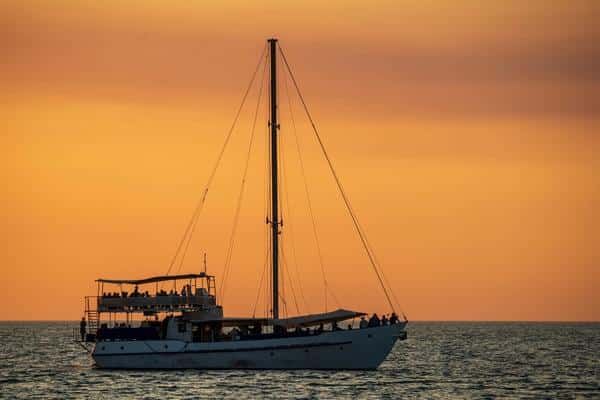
344	349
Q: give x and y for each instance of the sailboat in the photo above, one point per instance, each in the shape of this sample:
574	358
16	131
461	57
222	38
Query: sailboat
186	326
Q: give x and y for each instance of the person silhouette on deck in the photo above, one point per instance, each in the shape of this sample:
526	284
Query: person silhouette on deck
374	321
82	326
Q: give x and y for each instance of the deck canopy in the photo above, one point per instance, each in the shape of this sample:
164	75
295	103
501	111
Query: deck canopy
154	279
230	321
316	319
288	323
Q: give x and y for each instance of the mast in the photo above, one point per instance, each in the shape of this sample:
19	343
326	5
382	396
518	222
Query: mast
274	190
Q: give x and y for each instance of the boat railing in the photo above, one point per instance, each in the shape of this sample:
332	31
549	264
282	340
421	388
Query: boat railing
110	304
77	335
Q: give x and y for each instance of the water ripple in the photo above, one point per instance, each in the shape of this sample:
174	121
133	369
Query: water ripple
438	361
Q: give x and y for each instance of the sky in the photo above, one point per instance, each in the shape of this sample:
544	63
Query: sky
466	134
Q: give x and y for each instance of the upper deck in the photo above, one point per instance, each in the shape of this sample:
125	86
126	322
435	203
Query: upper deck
156	303
196	293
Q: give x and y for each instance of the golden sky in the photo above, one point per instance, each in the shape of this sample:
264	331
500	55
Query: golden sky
466	133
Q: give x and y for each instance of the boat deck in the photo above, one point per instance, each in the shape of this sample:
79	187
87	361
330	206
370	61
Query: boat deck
153	303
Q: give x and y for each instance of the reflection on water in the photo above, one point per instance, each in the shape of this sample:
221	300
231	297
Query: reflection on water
439	360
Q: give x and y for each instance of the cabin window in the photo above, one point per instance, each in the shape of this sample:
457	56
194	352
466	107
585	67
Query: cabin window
182	327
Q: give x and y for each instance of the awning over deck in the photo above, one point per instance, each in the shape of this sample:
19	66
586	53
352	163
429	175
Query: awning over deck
316	319
299	321
232	321
153	279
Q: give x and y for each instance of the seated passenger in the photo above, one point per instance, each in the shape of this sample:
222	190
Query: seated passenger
384	320
393	319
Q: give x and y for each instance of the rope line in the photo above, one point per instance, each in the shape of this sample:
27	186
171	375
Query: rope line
287	270
307	192
227	266
260	283
290	228
357	226
189	230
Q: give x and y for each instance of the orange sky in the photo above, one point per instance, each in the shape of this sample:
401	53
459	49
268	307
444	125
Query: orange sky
467	135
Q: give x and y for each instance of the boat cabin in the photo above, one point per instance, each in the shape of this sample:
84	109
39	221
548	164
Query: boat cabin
184	307
123	303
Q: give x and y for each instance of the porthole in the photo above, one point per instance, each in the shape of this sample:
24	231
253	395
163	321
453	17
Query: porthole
166	346
370	336
122	348
341	347
102	348
306	350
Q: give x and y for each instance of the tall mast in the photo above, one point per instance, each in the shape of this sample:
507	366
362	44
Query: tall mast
274	191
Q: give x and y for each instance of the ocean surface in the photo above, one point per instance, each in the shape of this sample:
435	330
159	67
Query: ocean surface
443	360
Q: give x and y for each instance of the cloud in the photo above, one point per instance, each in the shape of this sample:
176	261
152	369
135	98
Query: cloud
518	63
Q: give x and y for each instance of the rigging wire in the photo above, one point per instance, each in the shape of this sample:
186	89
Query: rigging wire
292	236
307	192
260	283
287	270
267	242
189	230
292	241
387	282
357	226
283	303
227	266
286	207
285	310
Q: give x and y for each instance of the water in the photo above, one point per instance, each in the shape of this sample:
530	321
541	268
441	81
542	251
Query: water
439	360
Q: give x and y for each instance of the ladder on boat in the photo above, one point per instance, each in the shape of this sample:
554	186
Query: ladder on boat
91	315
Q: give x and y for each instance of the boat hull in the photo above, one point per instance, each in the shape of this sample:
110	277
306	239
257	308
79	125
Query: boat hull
361	349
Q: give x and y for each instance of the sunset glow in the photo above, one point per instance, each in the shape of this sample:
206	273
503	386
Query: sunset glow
466	134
